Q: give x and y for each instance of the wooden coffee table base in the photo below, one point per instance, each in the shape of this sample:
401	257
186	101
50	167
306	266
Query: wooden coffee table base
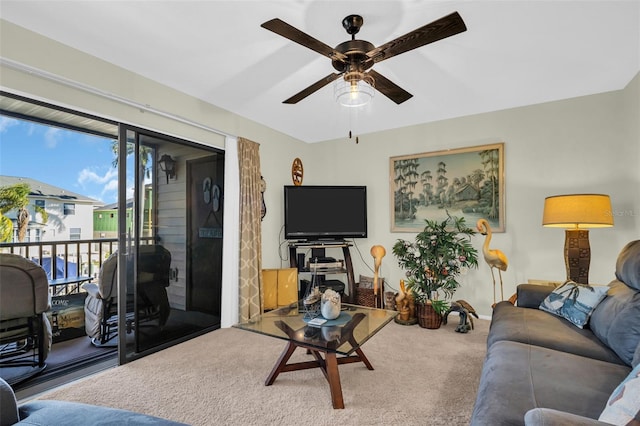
328	365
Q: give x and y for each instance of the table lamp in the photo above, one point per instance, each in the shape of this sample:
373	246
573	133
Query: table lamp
577	213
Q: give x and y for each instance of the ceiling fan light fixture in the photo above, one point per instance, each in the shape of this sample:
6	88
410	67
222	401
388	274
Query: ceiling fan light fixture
354	59
354	91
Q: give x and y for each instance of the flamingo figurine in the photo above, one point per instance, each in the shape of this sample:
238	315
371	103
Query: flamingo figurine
495	258
378	252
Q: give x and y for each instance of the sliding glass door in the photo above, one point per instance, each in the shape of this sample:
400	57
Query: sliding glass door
170	240
105	194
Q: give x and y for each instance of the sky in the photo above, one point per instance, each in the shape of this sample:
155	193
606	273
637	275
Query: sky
74	161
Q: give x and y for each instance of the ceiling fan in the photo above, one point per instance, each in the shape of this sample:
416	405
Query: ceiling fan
353	59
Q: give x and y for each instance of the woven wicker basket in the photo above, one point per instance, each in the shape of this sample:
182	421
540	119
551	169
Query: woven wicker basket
365	297
427	316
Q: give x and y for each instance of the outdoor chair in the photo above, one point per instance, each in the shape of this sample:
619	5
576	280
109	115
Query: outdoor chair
152	303
25	331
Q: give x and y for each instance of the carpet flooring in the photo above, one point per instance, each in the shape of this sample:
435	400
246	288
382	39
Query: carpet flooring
421	377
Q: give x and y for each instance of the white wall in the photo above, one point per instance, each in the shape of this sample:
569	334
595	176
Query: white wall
582	145
589	144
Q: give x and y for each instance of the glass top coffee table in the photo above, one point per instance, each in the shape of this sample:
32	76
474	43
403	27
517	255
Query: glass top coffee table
343	336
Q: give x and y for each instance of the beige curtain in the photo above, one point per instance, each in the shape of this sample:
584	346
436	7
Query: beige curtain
250	265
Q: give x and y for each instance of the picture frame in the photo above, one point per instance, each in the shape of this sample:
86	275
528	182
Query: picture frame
464	182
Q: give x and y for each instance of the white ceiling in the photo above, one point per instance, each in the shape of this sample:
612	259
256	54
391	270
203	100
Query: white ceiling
513	53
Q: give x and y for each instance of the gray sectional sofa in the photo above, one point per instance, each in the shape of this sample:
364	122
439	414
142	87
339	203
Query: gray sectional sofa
540	369
54	413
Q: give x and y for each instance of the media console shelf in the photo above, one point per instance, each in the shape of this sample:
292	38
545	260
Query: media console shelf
318	251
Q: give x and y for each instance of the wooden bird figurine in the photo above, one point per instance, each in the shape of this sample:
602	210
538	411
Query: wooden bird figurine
495	258
378	252
464	309
466	305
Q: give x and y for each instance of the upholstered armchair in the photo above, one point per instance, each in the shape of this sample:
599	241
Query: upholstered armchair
101	304
25	332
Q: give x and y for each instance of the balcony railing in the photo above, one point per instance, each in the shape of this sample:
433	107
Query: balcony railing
86	255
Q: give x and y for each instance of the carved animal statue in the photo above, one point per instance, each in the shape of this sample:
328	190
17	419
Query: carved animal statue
378	252
464	309
495	258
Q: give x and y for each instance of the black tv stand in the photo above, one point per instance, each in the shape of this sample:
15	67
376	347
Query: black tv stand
328	242
318	250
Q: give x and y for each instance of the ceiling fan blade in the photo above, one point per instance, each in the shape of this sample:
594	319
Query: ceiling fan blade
388	88
437	30
311	89
280	27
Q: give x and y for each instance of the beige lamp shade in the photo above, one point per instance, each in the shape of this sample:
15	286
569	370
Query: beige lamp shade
576	211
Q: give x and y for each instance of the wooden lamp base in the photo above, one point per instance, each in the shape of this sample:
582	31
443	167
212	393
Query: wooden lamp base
577	255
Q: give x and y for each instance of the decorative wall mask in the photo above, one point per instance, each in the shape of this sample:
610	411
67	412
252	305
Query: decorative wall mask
206	190
263	187
215	198
297	172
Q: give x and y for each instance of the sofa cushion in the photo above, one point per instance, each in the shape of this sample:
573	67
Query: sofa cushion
74	413
628	265
574	302
624	403
8	405
549	417
536	327
517	377
616	320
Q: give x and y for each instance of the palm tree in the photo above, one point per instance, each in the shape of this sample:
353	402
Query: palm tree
145	154
399	180
14	197
476	177
425	179
412	180
490	161
442	183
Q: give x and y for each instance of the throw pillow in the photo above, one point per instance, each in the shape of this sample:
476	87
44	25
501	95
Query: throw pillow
574	302
367	282
624	403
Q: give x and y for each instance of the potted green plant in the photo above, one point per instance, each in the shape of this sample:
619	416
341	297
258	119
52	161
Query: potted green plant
435	260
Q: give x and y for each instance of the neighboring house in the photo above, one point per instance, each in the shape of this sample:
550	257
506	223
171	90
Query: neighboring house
105	218
70	214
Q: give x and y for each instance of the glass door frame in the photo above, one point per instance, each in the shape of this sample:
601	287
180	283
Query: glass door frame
129	235
129	240
124	239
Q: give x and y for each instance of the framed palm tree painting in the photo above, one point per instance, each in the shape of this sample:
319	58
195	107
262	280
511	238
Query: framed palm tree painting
464	182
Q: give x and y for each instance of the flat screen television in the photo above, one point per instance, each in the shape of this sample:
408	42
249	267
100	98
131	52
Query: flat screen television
325	212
